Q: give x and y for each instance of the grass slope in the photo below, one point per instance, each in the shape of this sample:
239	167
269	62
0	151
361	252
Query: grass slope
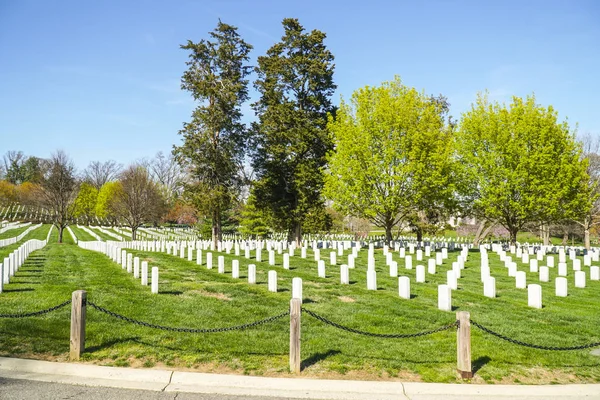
193	296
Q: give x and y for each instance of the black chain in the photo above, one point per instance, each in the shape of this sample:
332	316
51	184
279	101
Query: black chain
534	346
188	330
33	314
381	335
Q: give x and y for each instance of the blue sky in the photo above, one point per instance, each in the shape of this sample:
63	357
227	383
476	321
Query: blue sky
100	79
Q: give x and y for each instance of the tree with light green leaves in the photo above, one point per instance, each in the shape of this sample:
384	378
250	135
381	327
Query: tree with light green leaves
523	164
85	202
295	83
393	156
214	141
106	204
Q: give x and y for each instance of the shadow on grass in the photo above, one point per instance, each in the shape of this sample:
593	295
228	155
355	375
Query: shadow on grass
18	290
479	363
110	343
315	358
173	292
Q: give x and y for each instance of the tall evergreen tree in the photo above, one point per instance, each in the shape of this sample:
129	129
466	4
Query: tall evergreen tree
295	81
214	140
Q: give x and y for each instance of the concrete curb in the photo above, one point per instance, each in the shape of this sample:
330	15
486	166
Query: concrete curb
192	382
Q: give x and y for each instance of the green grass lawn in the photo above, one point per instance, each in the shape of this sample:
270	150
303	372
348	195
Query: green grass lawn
195	297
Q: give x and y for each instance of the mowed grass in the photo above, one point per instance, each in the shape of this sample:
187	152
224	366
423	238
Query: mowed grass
195	297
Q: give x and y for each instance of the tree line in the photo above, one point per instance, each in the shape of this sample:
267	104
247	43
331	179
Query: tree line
391	155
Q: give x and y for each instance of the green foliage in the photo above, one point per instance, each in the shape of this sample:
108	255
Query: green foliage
523	164
393	156
295	82
253	221
214	141
106	201
85	203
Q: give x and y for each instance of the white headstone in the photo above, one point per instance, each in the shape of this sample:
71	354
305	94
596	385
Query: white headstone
221	264
534	295
561	286
550	261
272	283
145	273
521	280
485	273
562	268
579	279
404	287
321	268
286	261
209	260
333	258
408	262
489	287
154	283
297	288
577	264
444	298
235	269
533	265
420	274
544	274
371	280
394	269
251	273
344	274
595	273
451	279
431	266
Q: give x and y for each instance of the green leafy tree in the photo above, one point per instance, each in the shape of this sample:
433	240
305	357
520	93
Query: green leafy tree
523	164
591	219
393	156
85	203
107	201
214	140
295	82
253	220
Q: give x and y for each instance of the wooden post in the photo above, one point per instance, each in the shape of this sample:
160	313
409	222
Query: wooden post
78	324
463	345
295	311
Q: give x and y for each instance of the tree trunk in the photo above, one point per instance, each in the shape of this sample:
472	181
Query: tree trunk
133	233
586	238
545	230
60	233
419	235
298	234
483	231
216	227
565	240
388	234
513	235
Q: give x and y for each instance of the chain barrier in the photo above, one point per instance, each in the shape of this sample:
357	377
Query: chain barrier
33	314
534	346
381	335
188	330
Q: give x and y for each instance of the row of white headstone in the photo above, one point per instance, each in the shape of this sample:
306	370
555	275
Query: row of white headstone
13	240
16	259
535	290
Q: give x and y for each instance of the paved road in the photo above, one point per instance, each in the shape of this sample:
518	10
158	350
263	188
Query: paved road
15	389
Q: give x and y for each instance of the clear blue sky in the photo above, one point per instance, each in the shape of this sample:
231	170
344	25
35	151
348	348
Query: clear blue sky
100	79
